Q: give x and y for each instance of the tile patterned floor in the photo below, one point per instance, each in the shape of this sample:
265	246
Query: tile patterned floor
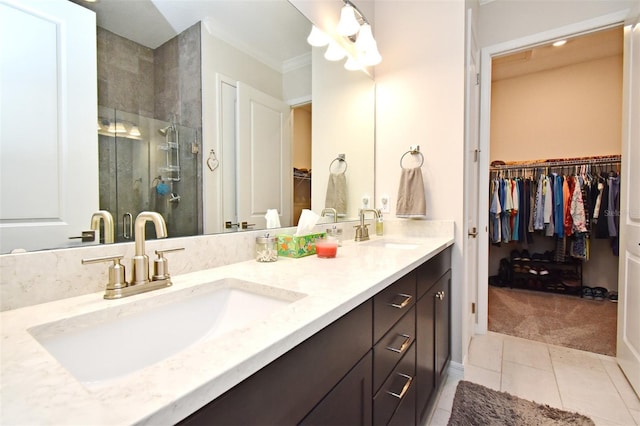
574	380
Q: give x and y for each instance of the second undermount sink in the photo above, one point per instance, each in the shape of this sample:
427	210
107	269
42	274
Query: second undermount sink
393	244
116	341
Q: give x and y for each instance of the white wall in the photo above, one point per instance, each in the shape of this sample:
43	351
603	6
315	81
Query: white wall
420	100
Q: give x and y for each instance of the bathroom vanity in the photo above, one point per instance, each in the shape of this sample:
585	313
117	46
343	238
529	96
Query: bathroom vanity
378	364
362	338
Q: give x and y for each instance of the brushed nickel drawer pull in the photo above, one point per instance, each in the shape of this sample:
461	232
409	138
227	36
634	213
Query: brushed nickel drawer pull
404	389
403	346
405	302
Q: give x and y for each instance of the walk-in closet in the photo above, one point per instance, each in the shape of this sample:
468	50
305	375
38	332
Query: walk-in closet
552	191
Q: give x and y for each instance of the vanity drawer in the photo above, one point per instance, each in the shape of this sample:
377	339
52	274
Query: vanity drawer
392	303
429	273
396	390
392	347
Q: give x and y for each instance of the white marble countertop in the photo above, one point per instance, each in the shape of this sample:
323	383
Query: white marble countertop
36	389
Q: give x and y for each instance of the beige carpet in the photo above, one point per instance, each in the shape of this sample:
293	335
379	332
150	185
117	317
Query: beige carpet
476	405
558	319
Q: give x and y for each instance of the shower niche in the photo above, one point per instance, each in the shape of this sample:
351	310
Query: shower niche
148	164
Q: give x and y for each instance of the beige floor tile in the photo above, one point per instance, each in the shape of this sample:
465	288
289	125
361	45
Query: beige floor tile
619	380
604	422
486	351
606	408
445	399
482	376
530	383
440	418
584	383
527	352
560	355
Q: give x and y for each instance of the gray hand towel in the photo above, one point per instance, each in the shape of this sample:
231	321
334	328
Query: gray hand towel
337	193
411	197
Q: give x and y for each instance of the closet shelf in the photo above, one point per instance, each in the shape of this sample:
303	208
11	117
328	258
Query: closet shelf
515	165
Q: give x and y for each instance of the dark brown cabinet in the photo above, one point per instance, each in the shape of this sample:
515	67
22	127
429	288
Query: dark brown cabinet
349	403
380	364
433	327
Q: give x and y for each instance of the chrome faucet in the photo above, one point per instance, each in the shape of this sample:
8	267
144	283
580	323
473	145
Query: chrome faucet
332	211
140	259
107	220
362	232
118	287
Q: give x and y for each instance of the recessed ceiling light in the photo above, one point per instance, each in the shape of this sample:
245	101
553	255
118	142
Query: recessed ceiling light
559	43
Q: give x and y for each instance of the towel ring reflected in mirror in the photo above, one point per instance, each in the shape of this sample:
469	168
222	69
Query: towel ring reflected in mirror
412	152
340	159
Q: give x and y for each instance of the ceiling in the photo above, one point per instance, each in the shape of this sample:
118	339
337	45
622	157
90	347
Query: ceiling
596	45
272	31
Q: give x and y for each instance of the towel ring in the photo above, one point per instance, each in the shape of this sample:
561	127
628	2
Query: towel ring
412	152
340	160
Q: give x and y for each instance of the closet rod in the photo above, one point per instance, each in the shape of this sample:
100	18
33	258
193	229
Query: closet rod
559	163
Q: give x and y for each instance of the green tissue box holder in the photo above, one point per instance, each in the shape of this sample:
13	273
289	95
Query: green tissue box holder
298	246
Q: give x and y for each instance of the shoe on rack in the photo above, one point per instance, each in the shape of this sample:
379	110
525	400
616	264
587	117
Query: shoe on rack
533	271
515	255
613	296
587	293
525	256
538	257
599	293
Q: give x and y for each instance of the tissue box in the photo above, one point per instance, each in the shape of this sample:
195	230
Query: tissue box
298	246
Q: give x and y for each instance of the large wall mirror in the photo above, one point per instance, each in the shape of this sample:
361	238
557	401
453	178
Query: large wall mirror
189	95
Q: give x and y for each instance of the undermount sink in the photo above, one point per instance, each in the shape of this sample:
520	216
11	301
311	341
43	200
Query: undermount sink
116	341
393	244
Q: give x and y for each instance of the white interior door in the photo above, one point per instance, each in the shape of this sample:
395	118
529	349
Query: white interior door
48	118
472	118
628	344
229	197
265	174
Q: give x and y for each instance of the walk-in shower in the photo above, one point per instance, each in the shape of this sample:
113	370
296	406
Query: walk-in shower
150	171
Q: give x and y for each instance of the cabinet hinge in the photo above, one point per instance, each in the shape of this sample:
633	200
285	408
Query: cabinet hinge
473	308
477	79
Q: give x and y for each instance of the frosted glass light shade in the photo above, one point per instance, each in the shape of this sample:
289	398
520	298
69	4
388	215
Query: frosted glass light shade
372	56
367	46
116	127
348	24
334	52
317	37
365	38
352	64
135	131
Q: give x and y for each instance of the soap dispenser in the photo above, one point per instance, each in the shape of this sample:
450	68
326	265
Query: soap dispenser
379	224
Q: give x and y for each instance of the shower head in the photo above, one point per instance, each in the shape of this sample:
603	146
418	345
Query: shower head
164	130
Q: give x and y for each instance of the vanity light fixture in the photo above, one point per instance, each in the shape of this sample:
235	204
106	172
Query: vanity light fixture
116	127
348	24
351	64
317	37
559	43
334	52
135	131
356	29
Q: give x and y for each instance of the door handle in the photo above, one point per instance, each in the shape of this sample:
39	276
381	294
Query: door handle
473	232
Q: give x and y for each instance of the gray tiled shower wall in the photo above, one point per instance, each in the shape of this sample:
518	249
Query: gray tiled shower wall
159	86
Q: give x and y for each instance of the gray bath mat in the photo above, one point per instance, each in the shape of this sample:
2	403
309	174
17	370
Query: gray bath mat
477	405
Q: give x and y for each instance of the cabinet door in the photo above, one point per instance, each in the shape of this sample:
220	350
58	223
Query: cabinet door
286	390
442	323
349	403
425	352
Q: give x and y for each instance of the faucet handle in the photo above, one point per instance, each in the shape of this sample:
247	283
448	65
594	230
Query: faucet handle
116	271
161	264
